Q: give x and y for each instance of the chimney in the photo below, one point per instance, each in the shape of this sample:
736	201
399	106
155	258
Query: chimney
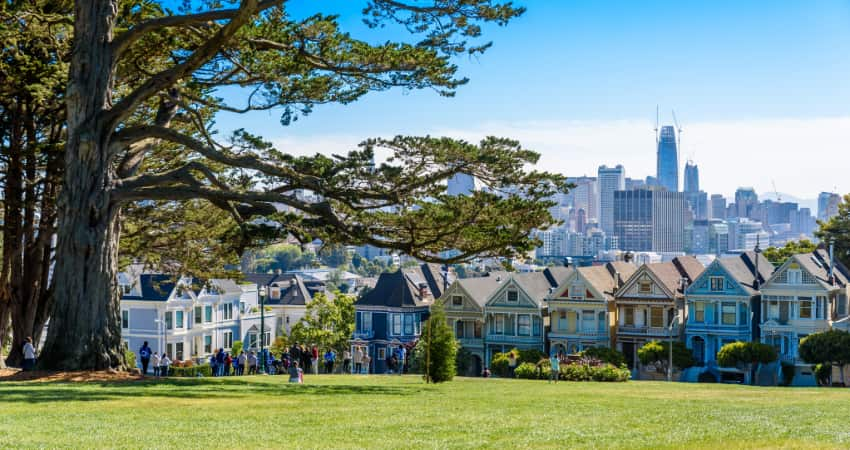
423	290
757	251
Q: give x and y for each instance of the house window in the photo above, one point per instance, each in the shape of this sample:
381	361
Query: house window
513	296
629	313
524	325
228	340
408	324
208	313
459	329
382	353
577	292
126	289
125	319
699	312
656	317
477	329
178	352
500	324
805	307
645	287
199	315
600	321
716	284
228	311
396	324
538	322
457	300
366	320
208	344
267	338
795	276
417	323
252	340
727	313
169	349
178	319
169	320
562	320
587	321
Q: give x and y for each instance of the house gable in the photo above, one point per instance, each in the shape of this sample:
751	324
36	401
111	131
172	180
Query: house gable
712	278
505	295
793	273
577	288
644	284
454	294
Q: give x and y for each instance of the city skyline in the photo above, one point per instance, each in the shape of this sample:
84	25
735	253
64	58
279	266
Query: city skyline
717	65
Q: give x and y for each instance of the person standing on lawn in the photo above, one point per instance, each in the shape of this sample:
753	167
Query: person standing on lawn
252	364
401	354
330	358
29	355
346	361
240	363
358	359
155	359
366	361
145	357
314	353
555	366
219	362
164	363
512	364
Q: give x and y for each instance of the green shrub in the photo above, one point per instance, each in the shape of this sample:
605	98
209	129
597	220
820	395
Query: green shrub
500	366
788	370
130	358
823	372
586	372
191	372
527	371
604	354
737	354
439	337
657	353
532	356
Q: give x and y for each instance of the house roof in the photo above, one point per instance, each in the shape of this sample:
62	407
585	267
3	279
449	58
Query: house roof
411	287
154	287
226	285
604	278
817	263
539	285
294	290
481	288
742	269
671	273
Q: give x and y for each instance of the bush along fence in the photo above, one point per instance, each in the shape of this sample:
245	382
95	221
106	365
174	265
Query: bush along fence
582	370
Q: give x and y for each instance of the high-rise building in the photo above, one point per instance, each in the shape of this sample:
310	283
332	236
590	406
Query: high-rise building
691	177
697	202
461	184
650	220
610	179
828	205
746	201
745	233
668	159
718	237
584	196
632	184
718	206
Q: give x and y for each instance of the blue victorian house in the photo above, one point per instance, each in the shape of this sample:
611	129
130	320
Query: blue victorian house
723	304
392	313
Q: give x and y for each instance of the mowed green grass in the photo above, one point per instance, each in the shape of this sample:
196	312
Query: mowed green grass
403	412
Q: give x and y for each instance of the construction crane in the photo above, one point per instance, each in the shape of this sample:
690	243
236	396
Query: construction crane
776	191
657	117
678	130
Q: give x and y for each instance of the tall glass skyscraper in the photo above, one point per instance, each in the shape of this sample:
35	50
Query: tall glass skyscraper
691	177
668	160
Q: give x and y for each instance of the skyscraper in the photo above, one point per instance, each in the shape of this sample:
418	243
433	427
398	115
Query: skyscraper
828	205
650	220
610	180
691	177
718	206
746	200
668	159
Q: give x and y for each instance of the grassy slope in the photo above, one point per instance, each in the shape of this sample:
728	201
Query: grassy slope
401	412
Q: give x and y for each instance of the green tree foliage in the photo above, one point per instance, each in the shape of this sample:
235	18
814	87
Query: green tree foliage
283	257
463	360
327	323
828	347
280	344
778	255
605	354
658	354
439	342
237	348
837	231
737	354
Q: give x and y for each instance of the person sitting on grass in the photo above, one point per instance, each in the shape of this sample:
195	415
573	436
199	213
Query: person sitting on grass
296	375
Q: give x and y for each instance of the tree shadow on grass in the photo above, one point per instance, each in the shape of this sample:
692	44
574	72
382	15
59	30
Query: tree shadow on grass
183	388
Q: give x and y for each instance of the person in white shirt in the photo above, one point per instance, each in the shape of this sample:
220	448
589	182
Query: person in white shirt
29	355
242	361
155	361
164	363
358	360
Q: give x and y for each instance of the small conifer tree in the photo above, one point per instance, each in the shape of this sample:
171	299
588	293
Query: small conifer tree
440	347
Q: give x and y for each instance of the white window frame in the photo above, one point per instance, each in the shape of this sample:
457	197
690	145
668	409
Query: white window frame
514	293
209	318
723	313
519	325
125	319
457	300
179	324
208	347
396	324
711	282
228	339
699	313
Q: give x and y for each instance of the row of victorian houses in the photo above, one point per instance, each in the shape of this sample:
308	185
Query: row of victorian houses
618	305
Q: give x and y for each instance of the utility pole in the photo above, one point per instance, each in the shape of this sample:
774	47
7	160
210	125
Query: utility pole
263	329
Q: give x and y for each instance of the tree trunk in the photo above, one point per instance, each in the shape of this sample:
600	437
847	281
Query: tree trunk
85	328
4	330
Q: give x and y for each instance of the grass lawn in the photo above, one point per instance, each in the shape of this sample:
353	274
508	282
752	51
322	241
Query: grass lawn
402	412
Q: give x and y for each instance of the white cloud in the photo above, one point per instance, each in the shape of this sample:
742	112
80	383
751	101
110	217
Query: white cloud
802	156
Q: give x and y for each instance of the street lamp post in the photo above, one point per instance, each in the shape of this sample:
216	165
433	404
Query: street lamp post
670	349
262	329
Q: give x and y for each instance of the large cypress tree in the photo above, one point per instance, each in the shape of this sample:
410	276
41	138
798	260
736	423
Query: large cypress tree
141	94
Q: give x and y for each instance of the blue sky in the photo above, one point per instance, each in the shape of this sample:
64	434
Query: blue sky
752	72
